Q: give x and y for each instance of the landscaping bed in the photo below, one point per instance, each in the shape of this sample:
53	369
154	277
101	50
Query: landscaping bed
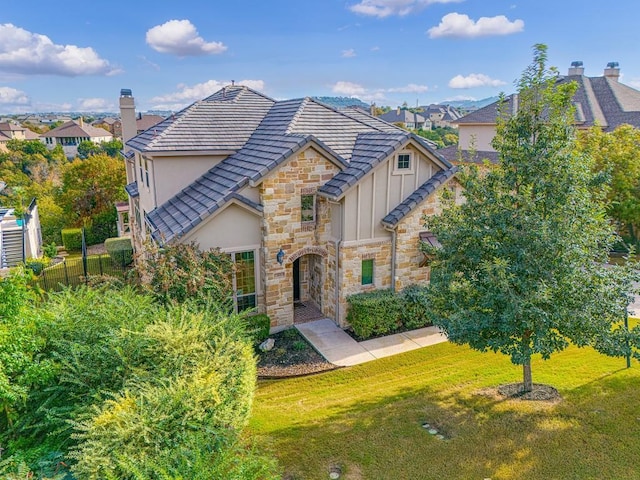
291	356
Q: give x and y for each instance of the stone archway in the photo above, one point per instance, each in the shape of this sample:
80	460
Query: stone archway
308	265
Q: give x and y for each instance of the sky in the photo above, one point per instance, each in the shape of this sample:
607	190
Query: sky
77	55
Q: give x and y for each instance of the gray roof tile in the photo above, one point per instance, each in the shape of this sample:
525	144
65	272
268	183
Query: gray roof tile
132	189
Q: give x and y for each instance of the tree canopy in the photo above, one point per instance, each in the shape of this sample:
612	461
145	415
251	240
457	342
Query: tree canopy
521	269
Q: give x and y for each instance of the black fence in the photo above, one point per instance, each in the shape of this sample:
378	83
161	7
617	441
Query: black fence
78	270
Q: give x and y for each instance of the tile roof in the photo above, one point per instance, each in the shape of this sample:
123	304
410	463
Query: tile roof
404	116
599	101
132	189
223	121
354	139
455	155
342	102
73	129
145	122
416	198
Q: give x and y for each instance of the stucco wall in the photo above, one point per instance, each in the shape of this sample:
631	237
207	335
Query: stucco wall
478	137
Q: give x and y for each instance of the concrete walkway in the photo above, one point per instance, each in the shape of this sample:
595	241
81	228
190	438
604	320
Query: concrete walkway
339	348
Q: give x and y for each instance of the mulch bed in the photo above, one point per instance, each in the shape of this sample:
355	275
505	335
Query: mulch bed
540	392
291	356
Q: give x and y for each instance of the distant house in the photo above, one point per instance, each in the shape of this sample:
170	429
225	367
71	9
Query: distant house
411	120
14	131
441	115
71	133
312	203
599	101
114	125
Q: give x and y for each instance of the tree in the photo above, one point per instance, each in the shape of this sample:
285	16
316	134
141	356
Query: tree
617	155
112	147
521	268
87	148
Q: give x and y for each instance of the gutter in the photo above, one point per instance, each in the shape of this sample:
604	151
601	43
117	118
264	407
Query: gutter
394	235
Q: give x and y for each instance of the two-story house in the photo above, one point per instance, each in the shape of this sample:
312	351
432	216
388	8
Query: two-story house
70	134
311	202
13	131
599	101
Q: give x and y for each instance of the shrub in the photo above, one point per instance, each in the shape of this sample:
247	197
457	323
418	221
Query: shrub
72	239
120	250
258	327
374	313
101	226
414	307
50	250
37	264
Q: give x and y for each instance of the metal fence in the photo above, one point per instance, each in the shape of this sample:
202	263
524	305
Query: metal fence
77	270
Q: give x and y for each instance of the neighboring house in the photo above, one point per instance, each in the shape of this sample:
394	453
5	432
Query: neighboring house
441	115
312	203
114	125
71	133
409	119
13	131
599	101
20	237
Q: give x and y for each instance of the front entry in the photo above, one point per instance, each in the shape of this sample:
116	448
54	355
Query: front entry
307	288
296	280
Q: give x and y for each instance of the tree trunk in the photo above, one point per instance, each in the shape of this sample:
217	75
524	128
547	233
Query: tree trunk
527	380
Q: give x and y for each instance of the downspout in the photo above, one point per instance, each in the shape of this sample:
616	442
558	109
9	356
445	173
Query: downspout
338	271
394	234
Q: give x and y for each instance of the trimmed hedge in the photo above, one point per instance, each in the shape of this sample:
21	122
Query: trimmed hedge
72	239
120	250
382	312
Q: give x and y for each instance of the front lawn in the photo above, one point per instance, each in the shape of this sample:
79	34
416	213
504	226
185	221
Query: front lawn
367	420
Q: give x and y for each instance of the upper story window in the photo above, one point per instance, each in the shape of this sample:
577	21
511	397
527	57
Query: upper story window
308	208
403	161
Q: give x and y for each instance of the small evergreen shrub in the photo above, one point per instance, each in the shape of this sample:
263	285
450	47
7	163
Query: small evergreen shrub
258	327
414	307
120	250
72	239
37	264
50	250
374	313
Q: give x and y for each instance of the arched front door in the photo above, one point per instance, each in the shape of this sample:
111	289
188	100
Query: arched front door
308	275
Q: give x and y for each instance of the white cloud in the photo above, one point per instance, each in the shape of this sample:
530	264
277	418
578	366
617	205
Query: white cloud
633	82
348	88
410	88
351	89
188	94
461	26
29	53
180	37
386	8
11	96
375	49
474	80
95	105
348	53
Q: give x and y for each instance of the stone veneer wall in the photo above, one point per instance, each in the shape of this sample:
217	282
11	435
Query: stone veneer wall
280	194
408	254
351	257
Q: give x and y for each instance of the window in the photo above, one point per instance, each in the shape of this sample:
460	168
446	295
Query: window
245	280
367	271
308	210
404	161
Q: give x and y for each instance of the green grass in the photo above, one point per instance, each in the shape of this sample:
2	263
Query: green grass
368	419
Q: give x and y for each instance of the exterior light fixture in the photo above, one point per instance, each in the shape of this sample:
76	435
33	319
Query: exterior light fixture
280	256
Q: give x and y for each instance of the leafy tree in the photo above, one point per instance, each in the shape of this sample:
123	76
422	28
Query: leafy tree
91	187
617	155
87	148
112	147
521	266
28	147
182	272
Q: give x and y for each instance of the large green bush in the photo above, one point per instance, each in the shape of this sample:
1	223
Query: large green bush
374	313
258	327
414	307
120	250
72	239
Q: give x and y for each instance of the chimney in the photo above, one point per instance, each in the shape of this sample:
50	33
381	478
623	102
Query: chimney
398	111
81	122
372	110
612	71
127	116
576	68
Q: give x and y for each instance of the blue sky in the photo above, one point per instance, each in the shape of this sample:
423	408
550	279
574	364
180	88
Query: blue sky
76	55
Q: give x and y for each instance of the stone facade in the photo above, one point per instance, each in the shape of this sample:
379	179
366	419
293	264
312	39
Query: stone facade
281	196
408	254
